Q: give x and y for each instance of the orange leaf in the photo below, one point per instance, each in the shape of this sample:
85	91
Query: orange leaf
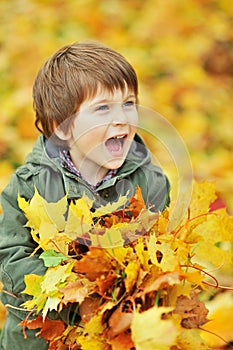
122	342
49	329
94	264
136	203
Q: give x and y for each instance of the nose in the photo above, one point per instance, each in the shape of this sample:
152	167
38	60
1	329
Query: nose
119	117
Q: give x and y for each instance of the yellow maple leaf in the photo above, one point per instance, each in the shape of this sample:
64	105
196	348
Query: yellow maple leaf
204	193
221	321
142	253
162	255
190	339
33	288
32	283
54	276
79	221
109	208
120	253
150	331
95	325
110	239
38	210
177	290
81	208
132	271
89	344
218	227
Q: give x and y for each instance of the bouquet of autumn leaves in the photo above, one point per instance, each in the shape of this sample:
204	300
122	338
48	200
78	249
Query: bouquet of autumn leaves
126	279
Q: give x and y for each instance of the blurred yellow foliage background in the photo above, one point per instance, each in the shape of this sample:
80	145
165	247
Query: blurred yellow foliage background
182	51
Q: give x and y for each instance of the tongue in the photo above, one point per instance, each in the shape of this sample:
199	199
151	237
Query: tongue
114	145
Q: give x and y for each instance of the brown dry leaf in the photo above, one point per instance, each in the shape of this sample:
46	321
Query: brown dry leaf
192	311
119	322
87	309
94	264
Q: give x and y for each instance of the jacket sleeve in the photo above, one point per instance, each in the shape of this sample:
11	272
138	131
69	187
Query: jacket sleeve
155	188
16	246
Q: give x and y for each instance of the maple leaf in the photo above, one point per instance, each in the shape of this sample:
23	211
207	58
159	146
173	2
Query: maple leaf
132	272
119	322
204	193
75	291
131	255
94	264
162	281
93	331
162	255
105	283
49	329
155	334
88	343
136	203
81	208
142	253
217	229
88	307
220	315
190	339
76	226
109	208
111	237
52	303
192	311
33	284
33	288
122	342
54	276
38	211
52	258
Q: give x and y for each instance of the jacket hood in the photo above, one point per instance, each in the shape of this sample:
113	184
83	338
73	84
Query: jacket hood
45	153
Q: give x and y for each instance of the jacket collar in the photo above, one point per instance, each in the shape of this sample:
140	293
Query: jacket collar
45	153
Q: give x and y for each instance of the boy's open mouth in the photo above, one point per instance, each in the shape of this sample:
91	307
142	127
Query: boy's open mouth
115	144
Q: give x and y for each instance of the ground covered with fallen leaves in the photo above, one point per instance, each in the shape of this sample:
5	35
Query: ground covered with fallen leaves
183	54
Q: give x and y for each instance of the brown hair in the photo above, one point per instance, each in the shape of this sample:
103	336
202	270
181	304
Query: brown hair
72	75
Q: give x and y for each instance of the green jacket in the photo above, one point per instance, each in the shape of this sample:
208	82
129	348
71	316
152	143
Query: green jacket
43	170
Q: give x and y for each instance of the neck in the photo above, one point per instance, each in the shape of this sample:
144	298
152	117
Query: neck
92	173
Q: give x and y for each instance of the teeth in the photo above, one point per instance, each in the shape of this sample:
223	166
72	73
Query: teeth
119	137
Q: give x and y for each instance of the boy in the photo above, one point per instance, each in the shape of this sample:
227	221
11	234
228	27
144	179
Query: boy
85	99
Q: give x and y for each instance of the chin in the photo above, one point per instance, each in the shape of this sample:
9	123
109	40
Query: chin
114	164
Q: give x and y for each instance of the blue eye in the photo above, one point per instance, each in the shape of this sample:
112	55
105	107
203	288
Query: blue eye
128	104
102	108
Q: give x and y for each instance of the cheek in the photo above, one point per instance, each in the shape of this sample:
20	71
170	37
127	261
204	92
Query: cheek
133	120
90	138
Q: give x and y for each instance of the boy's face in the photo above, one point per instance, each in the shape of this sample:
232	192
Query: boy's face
102	132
